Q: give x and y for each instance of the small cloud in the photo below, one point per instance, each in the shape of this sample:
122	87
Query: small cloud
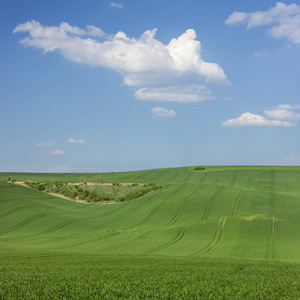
57	152
249	119
162	112
262	53
183	94
75	141
236	17
60	168
227	98
17	168
291	157
279	116
117	5
45	144
85	170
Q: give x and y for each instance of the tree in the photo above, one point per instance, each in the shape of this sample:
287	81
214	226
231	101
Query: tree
98	179
83	180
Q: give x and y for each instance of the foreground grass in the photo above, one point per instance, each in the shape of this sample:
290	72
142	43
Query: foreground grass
64	276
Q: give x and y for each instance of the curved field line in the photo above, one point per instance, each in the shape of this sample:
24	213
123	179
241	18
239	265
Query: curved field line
156	208
25	222
115	220
9	213
180	209
271	214
249	180
97	239
161	174
130	241
175	240
173	176
215	242
203	178
238	201
188	177
234	178
214	237
211	202
218	179
58	226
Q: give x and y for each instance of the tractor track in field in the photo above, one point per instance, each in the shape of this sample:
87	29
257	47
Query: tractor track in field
96	239
130	241
238	201
57	227
271	222
185	180
25	222
9	213
175	240
115	220
211	203
203	178
215	240
173	176
218	179
249	181
234	178
157	207
161	174
183	204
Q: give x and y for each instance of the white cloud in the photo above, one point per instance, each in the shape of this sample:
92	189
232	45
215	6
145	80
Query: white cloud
162	112
60	168
117	5
236	17
249	119
279	116
284	18
262	53
17	168
75	141
288	106
45	144
140	60
291	157
183	94
85	170
57	152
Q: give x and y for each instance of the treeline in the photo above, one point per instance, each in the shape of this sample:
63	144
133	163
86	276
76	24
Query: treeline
80	192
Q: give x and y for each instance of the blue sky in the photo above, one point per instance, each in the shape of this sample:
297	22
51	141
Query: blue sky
92	86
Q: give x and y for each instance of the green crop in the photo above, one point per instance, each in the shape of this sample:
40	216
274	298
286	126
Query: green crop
221	232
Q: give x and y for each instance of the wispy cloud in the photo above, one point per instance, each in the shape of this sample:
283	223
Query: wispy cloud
45	144
75	141
183	94
284	20
57	152
117	5
279	116
60	168
162	112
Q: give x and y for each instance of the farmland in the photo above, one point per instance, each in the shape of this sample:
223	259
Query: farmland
177	241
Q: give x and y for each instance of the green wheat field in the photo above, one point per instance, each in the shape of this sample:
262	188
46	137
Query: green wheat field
223	232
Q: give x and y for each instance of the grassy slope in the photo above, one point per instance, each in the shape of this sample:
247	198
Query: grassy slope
225	212
206	235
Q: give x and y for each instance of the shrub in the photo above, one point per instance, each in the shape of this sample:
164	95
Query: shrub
198	168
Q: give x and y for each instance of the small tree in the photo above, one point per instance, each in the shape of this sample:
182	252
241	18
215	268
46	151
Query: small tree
83	180
98	179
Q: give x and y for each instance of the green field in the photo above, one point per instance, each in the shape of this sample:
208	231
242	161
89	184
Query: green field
228	232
